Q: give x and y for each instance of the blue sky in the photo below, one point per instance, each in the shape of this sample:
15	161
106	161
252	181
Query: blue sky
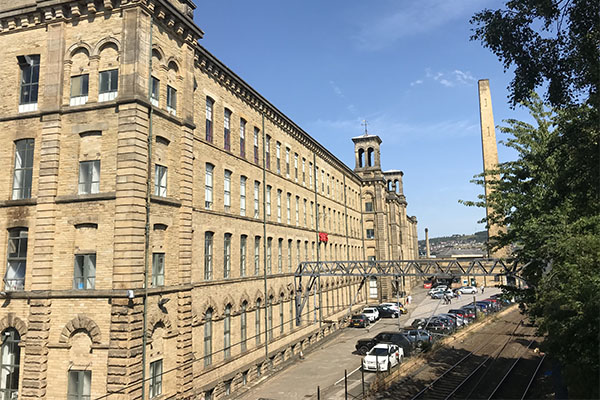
407	67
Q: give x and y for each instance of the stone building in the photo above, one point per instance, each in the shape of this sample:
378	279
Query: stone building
156	207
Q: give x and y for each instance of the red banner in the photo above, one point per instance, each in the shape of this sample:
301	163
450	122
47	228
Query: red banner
323	237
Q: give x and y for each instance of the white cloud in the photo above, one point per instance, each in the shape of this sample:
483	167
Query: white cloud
449	79
417	82
336	89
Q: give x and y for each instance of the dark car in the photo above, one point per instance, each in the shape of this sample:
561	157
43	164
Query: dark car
419	336
433	325
386	312
398	338
359	321
451	322
460	312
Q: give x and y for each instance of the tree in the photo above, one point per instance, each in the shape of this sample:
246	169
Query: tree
552	41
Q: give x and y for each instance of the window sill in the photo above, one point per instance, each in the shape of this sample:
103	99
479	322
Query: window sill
86	197
169	201
19	202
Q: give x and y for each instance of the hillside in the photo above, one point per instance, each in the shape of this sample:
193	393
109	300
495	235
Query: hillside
445	245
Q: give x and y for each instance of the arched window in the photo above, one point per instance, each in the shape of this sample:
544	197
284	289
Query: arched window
257	321
361	154
270	317
10	355
208	337
243	326
370	157
281	320
227	332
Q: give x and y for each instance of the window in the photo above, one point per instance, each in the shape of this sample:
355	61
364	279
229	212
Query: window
79	89
280	255
208	395
244	378
242	138
328	192
227	332
304	209
297	210
227	256
227	385
80	385
288	207
256	255
279	205
269	246
268	152
109	83
242	195
296	167
208	187
373	287
278	157
287	162
243	240
243	326
369	206
289	255
312	214
160	180
268	200
370	233
306	249
89	177
257	321
226	130
281	320
23	172
227	190
30	76
10	358
158	269
171	100
156	368
16	259
209	119
304	171
291	314
310	173
297	253
208	337
208	248
85	271
256	199
270	318
256	131
154	95
322	181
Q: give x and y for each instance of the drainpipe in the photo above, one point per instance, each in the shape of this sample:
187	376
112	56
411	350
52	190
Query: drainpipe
265	239
147	227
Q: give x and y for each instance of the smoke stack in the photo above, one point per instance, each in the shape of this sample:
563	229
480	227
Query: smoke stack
427	252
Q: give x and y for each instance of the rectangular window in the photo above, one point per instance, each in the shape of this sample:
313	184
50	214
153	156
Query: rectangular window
160	180
288	208
268	200
208	251
297	253
226	130
289	255
158	269
370	233
280	256
243	240
278	157
171	100
257	321
369	206
109	83
227	332
89	177
256	199
209	119
156	371
208	187
23	172
84	276
79	89
208	337
154	95
268	152
242	195
227	256
79	385
291	314
312	214
227	191
242	138
16	259
287	162
256	255
281	320
30	78
279	205
304	171
305	212
310	174
256	132
270	319
243	327
269	248
296	167
297	210
322	181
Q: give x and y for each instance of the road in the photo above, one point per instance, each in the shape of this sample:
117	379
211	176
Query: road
324	367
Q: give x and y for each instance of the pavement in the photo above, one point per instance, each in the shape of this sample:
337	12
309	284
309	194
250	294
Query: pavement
323	368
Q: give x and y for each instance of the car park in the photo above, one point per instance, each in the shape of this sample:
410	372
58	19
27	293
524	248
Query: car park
372	313
382	357
398	338
467	290
359	321
385	312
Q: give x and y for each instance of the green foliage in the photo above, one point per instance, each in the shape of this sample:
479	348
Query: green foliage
552	41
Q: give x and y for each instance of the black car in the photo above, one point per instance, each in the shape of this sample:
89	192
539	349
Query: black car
433	325
386	312
359	321
398	338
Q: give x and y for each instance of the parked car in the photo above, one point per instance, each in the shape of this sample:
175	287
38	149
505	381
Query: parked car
382	357
372	313
467	290
396	306
426	284
360	321
469	313
439	288
459	320
440	294
448	321
433	325
386	312
462	314
419	336
398	338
